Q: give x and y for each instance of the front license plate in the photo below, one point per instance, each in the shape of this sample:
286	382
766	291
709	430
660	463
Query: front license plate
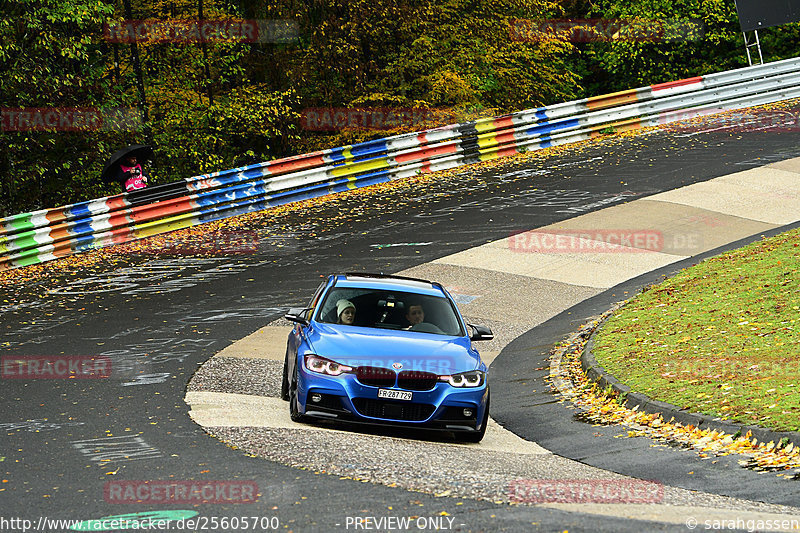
394	394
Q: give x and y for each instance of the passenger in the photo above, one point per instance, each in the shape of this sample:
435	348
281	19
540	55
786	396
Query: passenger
415	314
346	312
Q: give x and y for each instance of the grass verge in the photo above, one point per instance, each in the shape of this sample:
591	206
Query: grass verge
719	338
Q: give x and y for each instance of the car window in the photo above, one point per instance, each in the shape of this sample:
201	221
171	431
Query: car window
312	304
393	310
317	294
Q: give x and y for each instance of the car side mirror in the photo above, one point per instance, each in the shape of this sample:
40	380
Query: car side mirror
480	333
298	315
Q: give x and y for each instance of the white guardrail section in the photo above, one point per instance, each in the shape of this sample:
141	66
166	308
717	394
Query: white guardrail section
30	238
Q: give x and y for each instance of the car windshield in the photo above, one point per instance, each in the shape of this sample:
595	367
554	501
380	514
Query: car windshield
390	310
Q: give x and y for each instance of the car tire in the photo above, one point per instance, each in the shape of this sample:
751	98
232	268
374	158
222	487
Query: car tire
294	410
285	380
476	436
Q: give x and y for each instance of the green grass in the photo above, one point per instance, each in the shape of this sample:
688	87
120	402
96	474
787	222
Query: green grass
719	338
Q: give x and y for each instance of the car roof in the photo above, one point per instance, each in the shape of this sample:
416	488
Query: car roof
388	282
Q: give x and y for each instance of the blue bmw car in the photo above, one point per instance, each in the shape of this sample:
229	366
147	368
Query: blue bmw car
380	349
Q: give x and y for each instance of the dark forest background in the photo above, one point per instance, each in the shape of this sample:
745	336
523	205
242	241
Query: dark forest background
217	105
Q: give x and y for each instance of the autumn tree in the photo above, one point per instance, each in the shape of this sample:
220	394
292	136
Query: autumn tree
50	58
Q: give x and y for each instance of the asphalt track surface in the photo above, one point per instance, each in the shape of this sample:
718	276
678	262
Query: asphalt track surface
162	317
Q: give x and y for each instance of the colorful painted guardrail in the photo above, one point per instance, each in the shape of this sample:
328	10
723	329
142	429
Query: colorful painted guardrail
44	235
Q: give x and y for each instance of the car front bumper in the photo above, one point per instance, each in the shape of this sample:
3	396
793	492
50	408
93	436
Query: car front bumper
344	398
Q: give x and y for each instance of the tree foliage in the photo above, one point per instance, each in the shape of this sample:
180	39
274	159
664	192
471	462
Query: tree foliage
689	37
49	59
223	104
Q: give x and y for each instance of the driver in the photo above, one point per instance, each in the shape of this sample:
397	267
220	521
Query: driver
415	314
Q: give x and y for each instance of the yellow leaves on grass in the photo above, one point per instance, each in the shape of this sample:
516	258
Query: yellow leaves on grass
605	407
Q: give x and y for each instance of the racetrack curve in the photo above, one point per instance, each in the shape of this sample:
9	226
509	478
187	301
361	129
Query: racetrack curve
160	317
515	290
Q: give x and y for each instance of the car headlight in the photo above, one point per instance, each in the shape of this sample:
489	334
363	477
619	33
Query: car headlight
321	365
474	378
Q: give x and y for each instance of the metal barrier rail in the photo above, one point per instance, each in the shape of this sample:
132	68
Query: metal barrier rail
39	236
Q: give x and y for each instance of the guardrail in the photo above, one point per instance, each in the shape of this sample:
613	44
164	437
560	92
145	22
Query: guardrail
39	236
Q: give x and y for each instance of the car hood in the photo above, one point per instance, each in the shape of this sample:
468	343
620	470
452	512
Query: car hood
357	346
